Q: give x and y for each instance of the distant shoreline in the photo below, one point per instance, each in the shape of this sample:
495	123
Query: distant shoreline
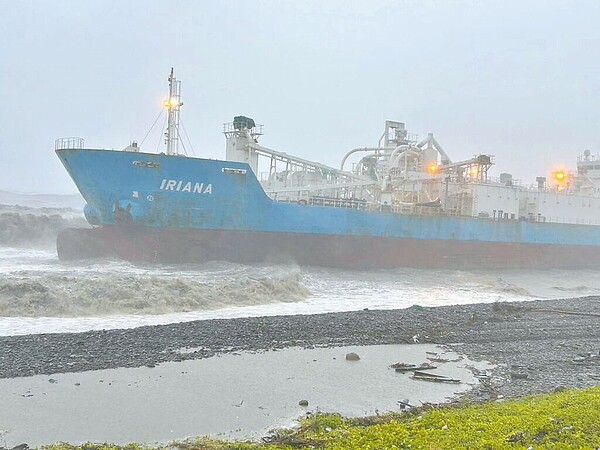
535	351
33	200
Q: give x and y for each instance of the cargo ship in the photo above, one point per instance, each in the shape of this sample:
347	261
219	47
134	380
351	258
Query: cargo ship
403	202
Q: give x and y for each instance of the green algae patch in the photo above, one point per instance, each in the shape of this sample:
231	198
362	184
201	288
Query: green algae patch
563	420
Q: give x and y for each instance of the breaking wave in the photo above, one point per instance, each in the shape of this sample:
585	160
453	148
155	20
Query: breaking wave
485	282
54	296
580	288
508	288
21	226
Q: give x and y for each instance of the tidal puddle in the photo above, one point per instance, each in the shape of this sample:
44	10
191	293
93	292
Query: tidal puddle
232	396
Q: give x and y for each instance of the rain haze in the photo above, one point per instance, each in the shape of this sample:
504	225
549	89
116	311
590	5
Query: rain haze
227	295
519	80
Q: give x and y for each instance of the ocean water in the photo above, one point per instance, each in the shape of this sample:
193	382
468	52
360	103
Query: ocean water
39	294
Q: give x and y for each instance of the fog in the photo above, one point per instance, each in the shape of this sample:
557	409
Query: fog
517	80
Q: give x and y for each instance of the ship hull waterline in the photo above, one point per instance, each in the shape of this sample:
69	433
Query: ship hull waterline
180	245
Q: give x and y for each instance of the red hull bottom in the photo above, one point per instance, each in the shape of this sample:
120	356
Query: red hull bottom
196	246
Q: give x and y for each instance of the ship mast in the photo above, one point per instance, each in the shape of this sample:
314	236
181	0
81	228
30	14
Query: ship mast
173	104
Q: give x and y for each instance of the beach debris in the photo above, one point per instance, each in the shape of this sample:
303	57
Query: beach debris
20	447
404	367
415	339
417	308
426	376
564	311
352	356
405	404
586	358
303	402
515	438
401	366
519	375
438	359
52	381
518	372
481	375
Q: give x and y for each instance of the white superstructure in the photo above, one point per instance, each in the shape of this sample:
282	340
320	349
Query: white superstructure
405	175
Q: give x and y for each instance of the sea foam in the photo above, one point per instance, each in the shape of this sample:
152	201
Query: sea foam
64	296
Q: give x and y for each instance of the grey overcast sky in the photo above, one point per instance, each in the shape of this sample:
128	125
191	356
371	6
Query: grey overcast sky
517	79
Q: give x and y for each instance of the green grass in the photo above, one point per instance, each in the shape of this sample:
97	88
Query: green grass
563	420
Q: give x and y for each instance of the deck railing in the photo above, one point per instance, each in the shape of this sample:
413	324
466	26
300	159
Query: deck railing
363	205
69	143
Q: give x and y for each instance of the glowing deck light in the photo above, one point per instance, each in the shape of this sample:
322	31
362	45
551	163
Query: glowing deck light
171	102
432	168
560	176
474	171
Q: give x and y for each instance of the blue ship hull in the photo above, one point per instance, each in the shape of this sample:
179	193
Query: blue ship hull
158	207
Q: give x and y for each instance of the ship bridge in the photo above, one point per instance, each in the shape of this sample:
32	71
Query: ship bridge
285	177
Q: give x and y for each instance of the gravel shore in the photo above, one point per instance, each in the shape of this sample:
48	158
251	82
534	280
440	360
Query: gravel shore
538	346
